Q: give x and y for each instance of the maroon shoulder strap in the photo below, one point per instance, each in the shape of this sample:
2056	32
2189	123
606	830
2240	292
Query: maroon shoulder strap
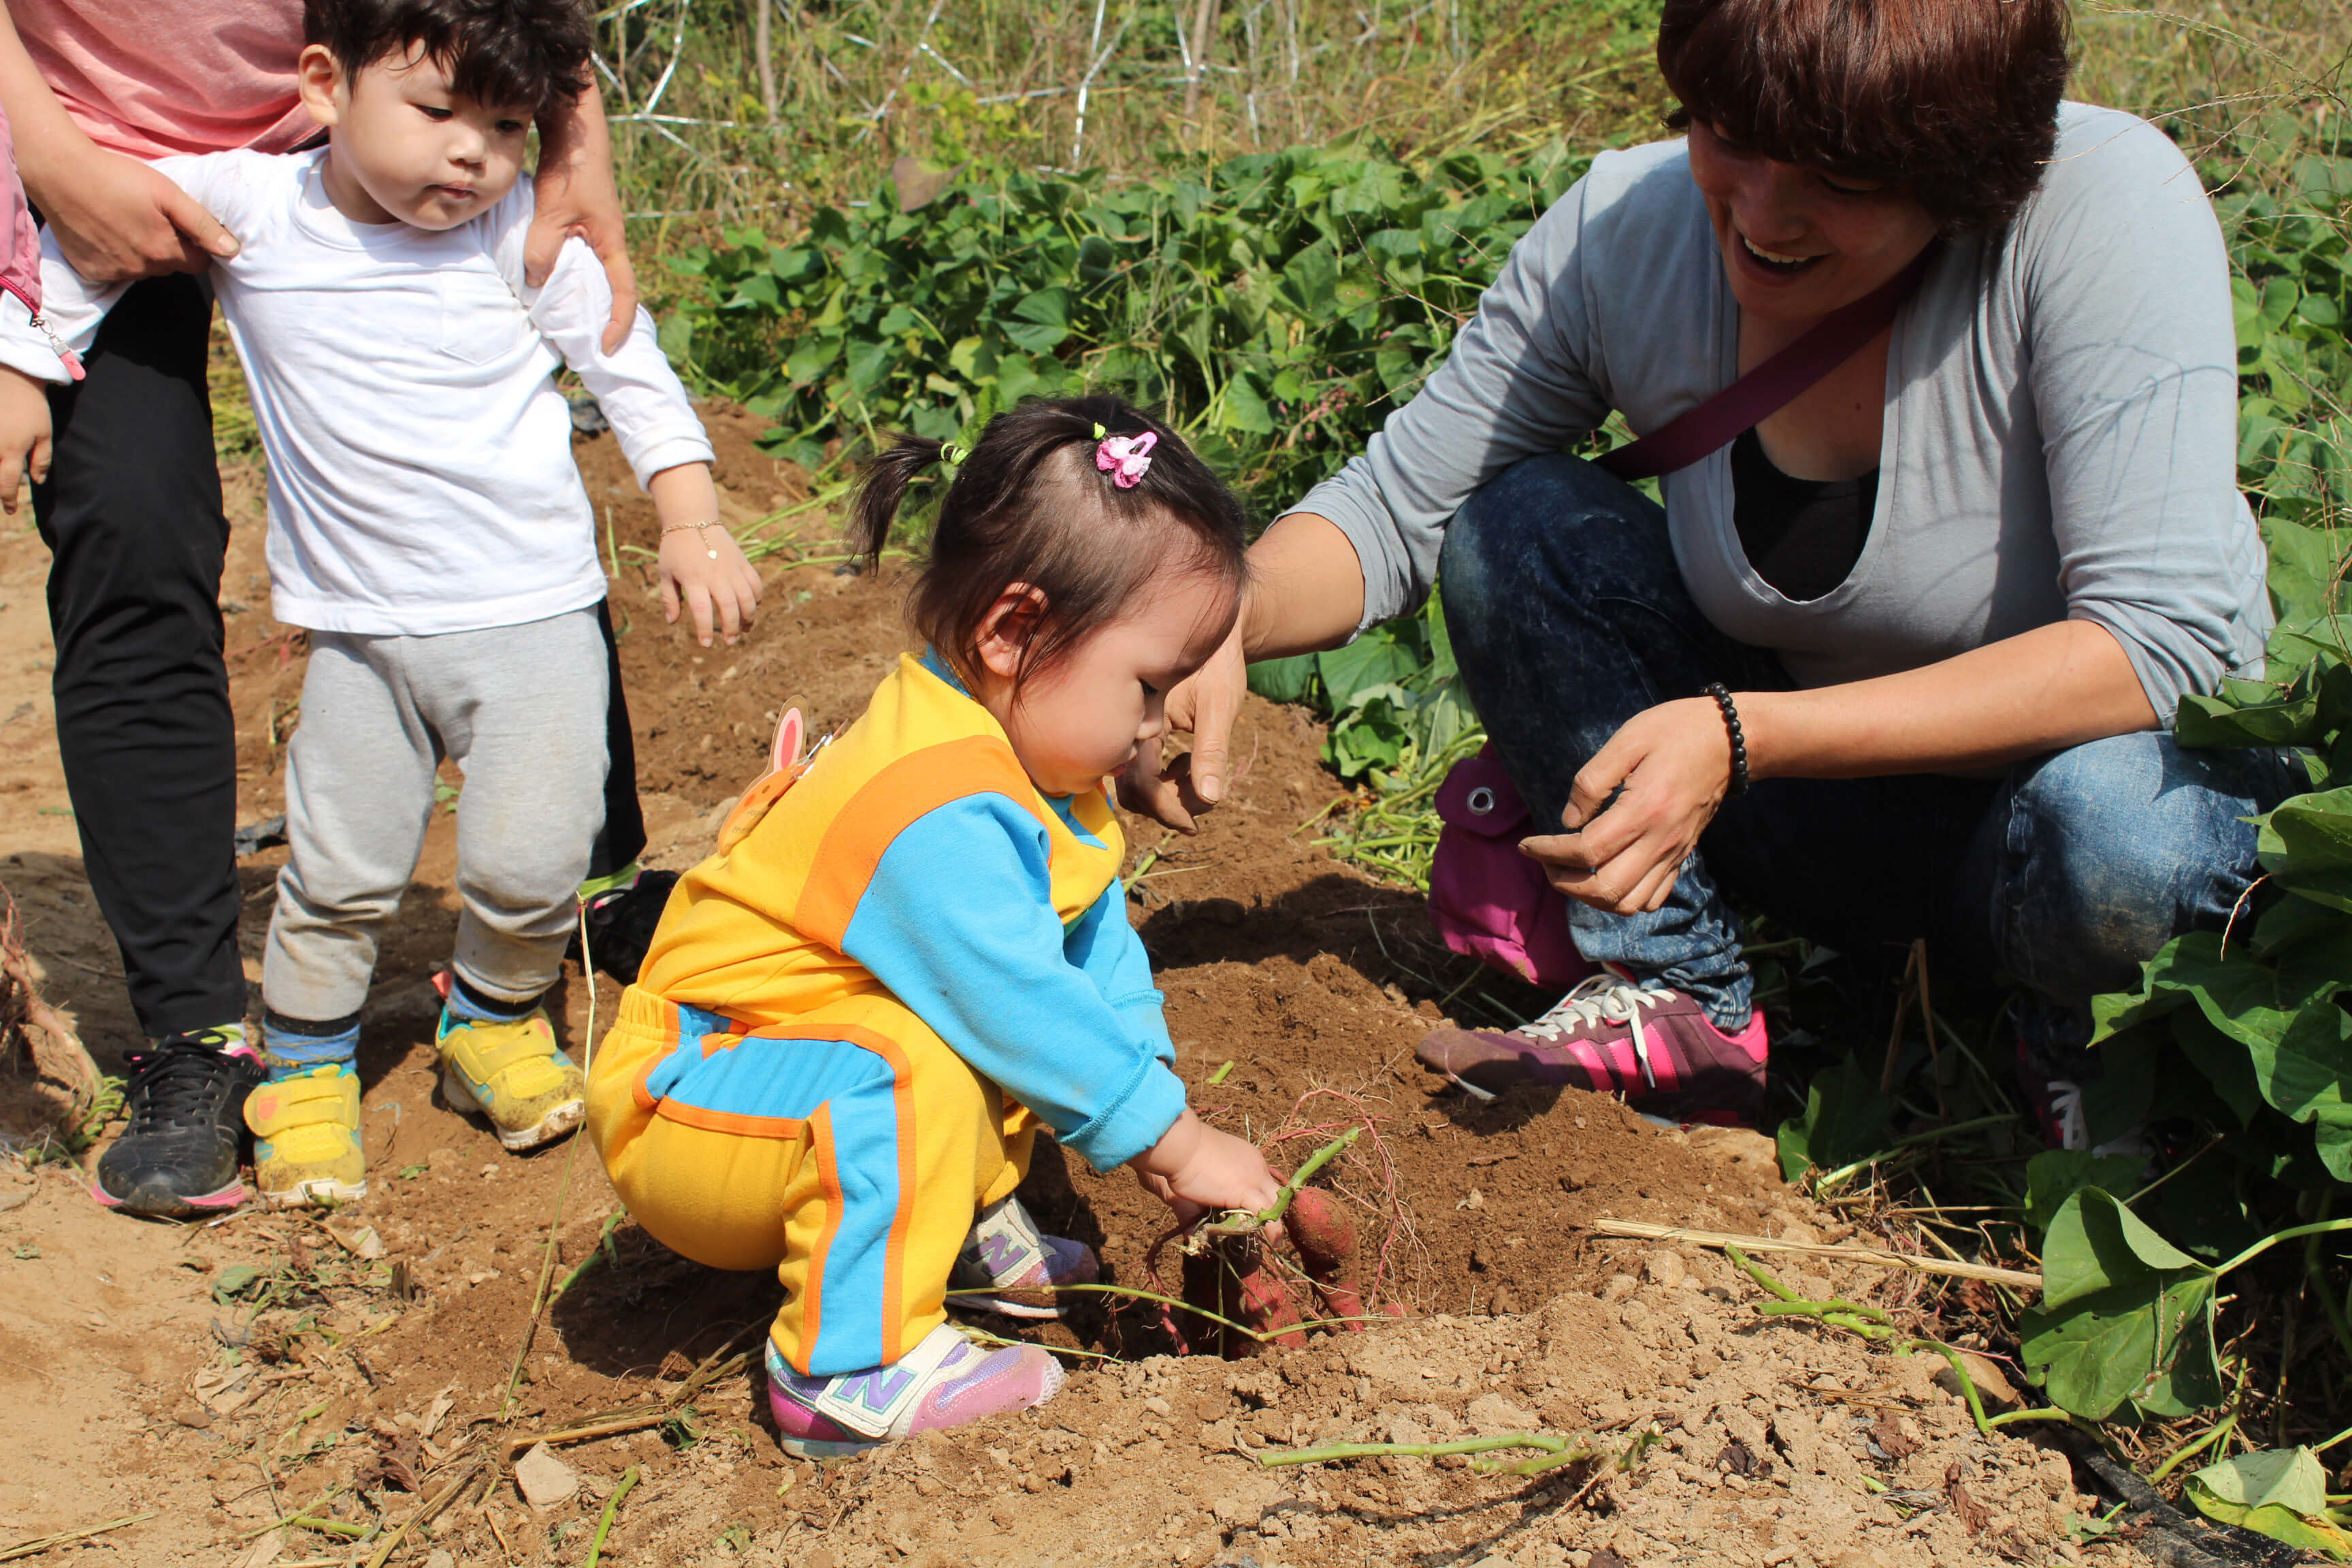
1756	396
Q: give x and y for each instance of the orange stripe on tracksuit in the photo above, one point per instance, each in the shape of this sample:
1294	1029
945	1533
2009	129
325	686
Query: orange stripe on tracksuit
764	1101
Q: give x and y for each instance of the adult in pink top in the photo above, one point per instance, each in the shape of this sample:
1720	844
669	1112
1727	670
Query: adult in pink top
152	81
132	512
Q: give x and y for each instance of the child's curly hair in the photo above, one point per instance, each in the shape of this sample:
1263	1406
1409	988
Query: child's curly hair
1027	504
532	53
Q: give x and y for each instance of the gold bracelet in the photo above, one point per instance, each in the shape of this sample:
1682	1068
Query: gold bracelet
670	528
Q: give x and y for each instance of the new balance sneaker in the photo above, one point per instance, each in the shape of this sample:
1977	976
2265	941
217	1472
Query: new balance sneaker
1012	1260
622	910
186	1104
513	1073
306	1131
945	1381
1647	1041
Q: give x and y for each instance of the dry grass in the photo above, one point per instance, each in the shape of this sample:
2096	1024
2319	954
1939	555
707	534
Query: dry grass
1109	83
721	120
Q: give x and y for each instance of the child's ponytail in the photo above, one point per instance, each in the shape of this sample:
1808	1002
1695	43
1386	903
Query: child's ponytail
884	491
1055	495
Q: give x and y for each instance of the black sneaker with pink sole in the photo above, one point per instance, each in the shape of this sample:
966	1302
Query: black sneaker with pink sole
1644	1040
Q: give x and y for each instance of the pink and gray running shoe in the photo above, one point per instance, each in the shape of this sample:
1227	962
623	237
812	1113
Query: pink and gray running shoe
945	1381
1008	1262
1647	1041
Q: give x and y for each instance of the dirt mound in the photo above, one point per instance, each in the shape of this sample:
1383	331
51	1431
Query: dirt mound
229	1376
1771	1446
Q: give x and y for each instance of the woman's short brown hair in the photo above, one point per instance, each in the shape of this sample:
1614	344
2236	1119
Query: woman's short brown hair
1954	102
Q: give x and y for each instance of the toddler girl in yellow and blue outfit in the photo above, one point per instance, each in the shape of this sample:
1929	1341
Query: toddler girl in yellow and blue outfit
913	950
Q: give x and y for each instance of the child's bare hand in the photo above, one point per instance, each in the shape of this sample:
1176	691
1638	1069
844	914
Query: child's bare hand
703	570
24	434
1194	1169
719	593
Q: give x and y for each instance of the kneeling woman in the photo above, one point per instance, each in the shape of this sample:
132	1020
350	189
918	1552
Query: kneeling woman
1947	598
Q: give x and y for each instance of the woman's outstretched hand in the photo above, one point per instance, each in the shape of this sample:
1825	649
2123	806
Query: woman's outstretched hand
1306	592
1203	704
1638	807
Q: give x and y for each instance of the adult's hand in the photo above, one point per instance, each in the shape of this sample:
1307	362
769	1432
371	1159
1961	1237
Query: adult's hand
1203	705
1637	809
1306	592
576	193
114	217
117	219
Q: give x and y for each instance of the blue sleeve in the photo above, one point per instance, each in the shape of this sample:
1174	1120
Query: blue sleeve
1106	950
957	921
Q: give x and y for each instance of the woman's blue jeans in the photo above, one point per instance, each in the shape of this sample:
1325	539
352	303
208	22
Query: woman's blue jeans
1569	616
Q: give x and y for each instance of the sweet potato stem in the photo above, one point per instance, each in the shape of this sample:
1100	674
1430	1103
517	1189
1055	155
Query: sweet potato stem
1870	1324
1181	1305
1553	1452
1241	1221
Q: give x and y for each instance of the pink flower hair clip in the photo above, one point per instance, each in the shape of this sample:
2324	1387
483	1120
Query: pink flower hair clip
1126	458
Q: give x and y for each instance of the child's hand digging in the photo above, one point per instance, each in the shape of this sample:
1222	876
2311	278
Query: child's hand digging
1194	1169
703	570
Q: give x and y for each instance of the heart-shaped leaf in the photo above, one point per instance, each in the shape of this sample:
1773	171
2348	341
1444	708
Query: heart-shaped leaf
2125	1314
1844	1121
2279	1492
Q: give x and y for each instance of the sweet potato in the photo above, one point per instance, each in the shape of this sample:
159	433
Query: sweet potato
1234	1278
1326	1240
1265	1306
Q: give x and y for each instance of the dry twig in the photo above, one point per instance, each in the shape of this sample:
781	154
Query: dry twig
41	1543
1641	1230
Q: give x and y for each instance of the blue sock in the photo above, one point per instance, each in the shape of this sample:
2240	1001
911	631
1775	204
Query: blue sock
467	1003
295	1045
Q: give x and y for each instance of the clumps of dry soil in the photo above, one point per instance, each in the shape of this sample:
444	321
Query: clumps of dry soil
1776	1444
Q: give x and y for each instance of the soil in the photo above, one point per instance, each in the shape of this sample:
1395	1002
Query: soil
215	1379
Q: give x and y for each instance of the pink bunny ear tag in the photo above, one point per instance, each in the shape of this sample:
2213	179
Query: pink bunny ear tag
786	751
785	766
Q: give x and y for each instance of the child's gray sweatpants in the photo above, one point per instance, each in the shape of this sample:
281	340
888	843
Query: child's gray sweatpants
521	710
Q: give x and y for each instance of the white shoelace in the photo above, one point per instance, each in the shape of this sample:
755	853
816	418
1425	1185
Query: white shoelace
1604	999
2066	1110
2073	1129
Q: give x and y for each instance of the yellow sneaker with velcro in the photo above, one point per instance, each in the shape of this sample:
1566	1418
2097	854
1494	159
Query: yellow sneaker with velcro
514	1074
306	1131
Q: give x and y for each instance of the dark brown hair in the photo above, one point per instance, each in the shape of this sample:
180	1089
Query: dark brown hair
1027	504
1952	103
532	54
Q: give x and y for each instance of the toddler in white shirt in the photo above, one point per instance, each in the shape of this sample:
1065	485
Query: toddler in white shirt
428	526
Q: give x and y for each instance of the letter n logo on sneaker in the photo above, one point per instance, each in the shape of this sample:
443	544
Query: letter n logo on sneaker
1005	1258
866	1402
874	1391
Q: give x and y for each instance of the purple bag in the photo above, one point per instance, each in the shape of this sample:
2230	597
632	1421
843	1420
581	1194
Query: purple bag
1487	900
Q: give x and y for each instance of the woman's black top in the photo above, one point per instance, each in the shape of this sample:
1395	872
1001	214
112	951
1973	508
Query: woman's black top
1802	536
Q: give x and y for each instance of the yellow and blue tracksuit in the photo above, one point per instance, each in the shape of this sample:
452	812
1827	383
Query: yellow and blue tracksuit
854	1017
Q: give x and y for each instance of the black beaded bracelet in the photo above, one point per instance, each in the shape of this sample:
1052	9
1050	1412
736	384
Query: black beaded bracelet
1722	695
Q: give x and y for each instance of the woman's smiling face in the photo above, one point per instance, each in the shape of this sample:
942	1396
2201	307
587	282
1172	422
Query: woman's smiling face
1796	242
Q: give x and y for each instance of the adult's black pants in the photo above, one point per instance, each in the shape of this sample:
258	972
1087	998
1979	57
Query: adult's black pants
131	513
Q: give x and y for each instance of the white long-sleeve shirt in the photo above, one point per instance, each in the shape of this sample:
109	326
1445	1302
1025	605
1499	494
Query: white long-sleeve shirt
421	477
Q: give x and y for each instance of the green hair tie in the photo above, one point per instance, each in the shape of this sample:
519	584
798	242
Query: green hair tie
953	453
